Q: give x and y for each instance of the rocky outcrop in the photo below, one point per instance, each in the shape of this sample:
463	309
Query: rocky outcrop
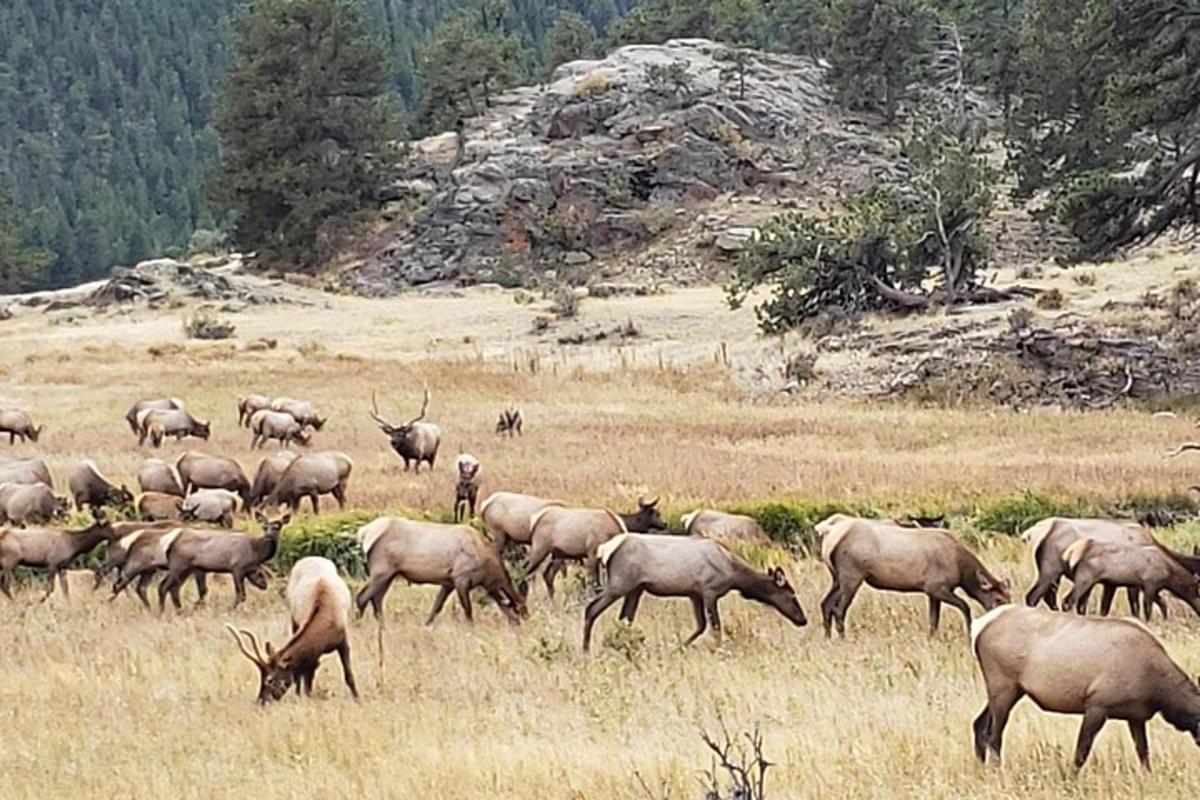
600	158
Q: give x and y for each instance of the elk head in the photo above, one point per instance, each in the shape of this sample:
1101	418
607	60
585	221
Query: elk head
782	596
272	527
203	430
993	593
397	433
119	495
274	672
319	422
61	504
646	518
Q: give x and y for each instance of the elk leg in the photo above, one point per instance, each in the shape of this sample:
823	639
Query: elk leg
701	620
142	584
1107	593
948	596
1093	720
555	568
438	603
62	581
347	673
164	586
630	606
848	588
714	617
1000	705
1134	596
1162	605
201	587
592	563
827	607
935	614
339	494
534	560
463	590
49	585
239	589
1137	729
316	505
5	577
373	593
1079	596
594	609
982	727
1044	589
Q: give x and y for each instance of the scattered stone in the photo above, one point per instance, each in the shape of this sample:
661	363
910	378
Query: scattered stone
575	258
734	240
165	281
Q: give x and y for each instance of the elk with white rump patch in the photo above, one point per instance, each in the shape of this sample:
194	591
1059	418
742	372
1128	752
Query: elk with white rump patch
416	442
319	602
25	471
19	425
90	488
158	476
310	476
250	404
699	569
22	504
1101	668
161	404
211	505
202	471
266	477
1147	568
190	551
454	557
157	424
48	549
722	525
302	411
894	558
267	425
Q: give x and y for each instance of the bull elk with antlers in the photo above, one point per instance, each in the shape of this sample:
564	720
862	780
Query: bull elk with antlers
414	441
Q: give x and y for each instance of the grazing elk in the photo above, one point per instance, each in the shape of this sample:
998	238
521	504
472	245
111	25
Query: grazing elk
511	422
1148	568
157	424
114	555
319	602
1101	668
90	488
455	557
267	425
721	525
573	534
191	551
162	404
202	471
894	558
19	425
302	411
249	405
466	491
158	476
210	505
25	471
700	569
266	477
36	503
416	442
48	549
159	507
310	476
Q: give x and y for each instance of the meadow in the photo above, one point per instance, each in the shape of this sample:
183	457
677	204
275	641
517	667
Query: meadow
101	699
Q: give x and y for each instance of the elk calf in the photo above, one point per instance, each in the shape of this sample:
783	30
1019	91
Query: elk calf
1147	568
455	557
90	488
319	601
161	404
893	558
700	569
1101	668
210	505
19	425
22	504
267	425
466	491
249	405
157	424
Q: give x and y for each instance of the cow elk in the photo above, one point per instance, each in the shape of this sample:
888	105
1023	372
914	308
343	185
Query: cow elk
19	425
157	424
158	476
466	491
267	425
48	549
893	558
723	526
511	422
266	477
454	557
90	488
249	405
319	602
159	507
310	476
25	471
25	504
211	505
191	551
1101	668
161	404
416	442
1148	568
699	569
302	411
203	471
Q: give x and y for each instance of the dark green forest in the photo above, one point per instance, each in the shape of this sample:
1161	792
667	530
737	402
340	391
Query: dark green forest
113	116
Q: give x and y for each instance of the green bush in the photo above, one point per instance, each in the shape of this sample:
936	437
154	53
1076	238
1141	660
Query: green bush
331	536
1158	510
793	525
1011	515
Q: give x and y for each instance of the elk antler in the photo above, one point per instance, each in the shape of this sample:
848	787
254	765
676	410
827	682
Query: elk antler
386	426
256	657
424	408
1183	448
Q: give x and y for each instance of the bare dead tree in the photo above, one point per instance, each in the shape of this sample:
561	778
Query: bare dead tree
742	761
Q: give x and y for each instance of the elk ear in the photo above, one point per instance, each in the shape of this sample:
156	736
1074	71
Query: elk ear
260	517
1006	584
285	519
778	576
270	652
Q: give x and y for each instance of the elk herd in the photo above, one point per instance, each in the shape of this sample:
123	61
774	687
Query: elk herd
1100	667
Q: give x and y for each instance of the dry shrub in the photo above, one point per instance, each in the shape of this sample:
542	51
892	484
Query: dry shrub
206	326
593	84
564	302
1051	300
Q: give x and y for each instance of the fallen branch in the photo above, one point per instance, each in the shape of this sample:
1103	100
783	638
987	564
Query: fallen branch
1183	448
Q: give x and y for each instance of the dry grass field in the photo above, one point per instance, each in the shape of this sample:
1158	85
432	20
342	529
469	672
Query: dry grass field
101	700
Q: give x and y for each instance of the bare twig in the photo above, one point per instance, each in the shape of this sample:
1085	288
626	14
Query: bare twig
1183	448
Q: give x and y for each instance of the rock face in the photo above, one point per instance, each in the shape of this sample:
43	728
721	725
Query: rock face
599	159
164	280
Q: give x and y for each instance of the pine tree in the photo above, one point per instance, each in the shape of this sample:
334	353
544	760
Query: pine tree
571	37
21	267
304	115
465	62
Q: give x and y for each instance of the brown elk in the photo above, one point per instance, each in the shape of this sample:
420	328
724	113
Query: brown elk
310	476
202	471
700	569
894	558
162	404
114	555
1148	568
1101	668
266	477
19	425
22	504
511	422
210	505
90	488
157	424
416	442
466	491
574	534
249	405
267	425
190	551
302	411
319	601
158	476
454	557
51	550
25	471
722	525
159	507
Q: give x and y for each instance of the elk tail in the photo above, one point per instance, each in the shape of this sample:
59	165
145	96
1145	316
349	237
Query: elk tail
831	537
605	551
369	535
537	518
1075	553
688	519
487	501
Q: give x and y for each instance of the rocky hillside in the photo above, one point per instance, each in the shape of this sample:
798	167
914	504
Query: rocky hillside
649	160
